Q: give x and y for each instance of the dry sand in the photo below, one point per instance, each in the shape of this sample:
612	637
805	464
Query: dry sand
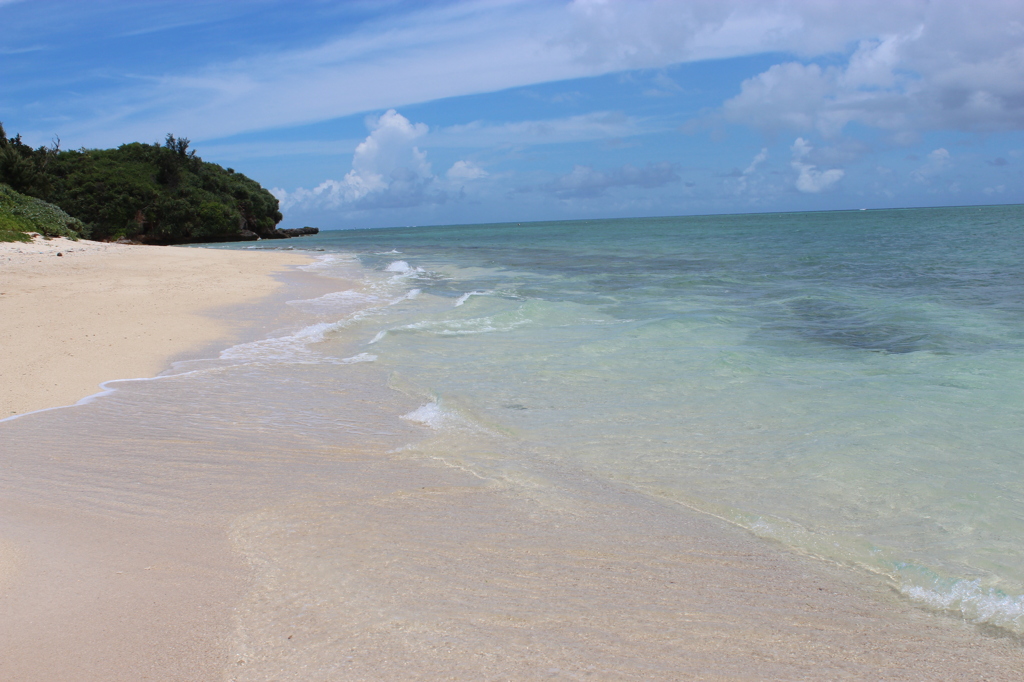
105	311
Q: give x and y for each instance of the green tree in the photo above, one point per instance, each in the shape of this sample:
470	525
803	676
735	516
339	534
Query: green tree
149	192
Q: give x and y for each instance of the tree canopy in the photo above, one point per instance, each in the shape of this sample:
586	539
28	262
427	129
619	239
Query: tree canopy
152	193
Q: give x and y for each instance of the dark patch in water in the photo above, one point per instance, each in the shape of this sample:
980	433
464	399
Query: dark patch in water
839	324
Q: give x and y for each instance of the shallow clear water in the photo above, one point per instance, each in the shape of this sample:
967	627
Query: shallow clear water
848	384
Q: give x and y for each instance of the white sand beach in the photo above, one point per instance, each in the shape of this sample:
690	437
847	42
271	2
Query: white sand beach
100	311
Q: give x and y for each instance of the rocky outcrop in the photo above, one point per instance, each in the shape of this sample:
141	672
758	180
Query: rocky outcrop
295	232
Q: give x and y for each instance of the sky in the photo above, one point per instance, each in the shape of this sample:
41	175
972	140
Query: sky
386	113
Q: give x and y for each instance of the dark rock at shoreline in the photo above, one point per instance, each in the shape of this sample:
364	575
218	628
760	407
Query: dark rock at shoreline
245	235
295	232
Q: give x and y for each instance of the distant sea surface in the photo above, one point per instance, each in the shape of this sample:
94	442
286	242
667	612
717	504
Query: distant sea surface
848	384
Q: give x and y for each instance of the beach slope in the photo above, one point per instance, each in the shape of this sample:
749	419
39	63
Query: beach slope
98	312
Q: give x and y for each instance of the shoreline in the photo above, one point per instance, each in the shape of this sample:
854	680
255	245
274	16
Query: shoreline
102	312
120	598
149	542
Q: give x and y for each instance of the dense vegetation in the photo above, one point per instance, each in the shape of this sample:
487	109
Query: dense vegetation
21	215
152	193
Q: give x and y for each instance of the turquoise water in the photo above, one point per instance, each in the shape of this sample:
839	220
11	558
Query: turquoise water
847	384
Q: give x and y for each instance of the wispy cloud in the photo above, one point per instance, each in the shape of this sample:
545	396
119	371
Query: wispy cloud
598	125
586	182
477	47
488	45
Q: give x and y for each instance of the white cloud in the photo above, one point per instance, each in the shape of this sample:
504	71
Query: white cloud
938	161
808	97
478	46
761	157
624	35
918	64
957	66
388	171
809	179
465	170
597	125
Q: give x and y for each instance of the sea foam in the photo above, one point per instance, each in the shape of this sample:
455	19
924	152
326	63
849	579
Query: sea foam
430	415
465	297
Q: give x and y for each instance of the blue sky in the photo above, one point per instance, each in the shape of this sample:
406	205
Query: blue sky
371	114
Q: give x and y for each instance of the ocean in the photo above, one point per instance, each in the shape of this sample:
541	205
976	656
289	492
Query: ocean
490	447
847	384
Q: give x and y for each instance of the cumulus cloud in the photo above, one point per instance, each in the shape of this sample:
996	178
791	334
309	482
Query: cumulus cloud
955	67
465	170
809	179
937	162
916	65
586	182
808	97
388	171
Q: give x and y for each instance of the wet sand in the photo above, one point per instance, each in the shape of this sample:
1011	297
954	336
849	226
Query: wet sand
258	523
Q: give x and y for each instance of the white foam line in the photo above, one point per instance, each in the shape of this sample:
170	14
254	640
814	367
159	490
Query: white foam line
411	294
430	415
399	266
465	297
105	392
328	259
974	603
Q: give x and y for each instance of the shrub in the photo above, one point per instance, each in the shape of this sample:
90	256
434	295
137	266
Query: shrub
160	194
20	214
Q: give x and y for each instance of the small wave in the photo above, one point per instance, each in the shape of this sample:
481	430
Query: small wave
380	335
408	296
465	297
326	261
962	597
362	357
399	266
478	325
290	348
334	300
430	415
106	388
968	599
